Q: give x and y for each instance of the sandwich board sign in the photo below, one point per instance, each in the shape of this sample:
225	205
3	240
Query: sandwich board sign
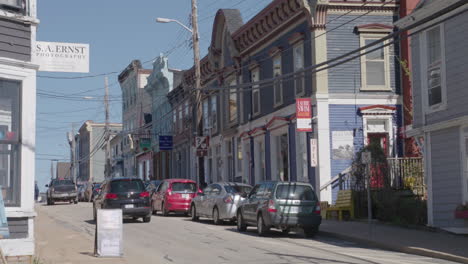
4	231
109	237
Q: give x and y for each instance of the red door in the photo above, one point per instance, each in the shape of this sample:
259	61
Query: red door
379	138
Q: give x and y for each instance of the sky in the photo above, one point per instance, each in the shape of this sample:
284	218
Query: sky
117	32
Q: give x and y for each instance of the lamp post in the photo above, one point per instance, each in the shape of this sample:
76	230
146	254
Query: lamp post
197	99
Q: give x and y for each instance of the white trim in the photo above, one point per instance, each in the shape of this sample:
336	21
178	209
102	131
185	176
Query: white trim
364	87
460	121
365	99
428	169
389	129
323	171
424	69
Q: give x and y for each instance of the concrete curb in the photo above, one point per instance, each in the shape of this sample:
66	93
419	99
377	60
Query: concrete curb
410	250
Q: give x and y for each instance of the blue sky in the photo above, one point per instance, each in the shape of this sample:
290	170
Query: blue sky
118	32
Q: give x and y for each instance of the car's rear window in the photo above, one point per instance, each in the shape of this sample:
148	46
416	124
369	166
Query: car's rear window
184	187
121	186
237	188
63	182
295	192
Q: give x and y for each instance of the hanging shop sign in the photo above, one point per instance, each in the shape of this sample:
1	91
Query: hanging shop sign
61	57
313	152
304	115
165	142
109	235
145	144
201	145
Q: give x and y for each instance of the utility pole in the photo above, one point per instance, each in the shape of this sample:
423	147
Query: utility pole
106	129
51	169
73	152
197	103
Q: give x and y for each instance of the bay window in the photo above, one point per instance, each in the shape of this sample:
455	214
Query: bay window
10	130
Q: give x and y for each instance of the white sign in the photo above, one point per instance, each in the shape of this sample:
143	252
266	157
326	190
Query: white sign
109	233
366	157
313	152
61	57
342	145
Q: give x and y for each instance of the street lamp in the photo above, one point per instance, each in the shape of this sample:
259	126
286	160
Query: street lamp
168	20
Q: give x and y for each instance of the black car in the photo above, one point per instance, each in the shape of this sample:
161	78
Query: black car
61	190
281	205
128	194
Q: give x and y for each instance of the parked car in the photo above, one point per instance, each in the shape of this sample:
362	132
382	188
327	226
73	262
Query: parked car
128	194
281	205
219	201
174	195
61	190
152	185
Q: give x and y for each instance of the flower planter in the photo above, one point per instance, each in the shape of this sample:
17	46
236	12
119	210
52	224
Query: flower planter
461	214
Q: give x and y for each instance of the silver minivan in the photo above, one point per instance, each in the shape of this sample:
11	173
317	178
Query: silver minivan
219	201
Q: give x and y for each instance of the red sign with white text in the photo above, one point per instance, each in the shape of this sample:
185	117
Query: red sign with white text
304	115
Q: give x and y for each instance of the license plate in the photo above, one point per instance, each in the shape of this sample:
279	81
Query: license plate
185	196
291	209
129	206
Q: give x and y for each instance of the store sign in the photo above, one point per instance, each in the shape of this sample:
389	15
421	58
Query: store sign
145	144
61	57
109	233
313	152
165	142
304	115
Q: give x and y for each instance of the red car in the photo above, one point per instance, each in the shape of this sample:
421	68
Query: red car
174	195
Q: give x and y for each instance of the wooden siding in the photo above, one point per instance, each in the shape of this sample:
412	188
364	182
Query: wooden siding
446	176
266	72
456	49
15	40
346	78
18	227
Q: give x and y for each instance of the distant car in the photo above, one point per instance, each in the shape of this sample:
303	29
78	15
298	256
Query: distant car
174	195
61	190
128	194
96	190
281	205
219	201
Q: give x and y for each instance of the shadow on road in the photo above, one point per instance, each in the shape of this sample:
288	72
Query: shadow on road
207	221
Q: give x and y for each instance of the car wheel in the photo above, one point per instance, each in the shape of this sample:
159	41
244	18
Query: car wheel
147	219
164	210
216	219
311	231
48	201
262	229
241	226
52	202
285	231
193	212
75	201
71	201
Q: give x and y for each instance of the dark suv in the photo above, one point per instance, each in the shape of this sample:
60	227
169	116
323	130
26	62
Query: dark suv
281	205
128	194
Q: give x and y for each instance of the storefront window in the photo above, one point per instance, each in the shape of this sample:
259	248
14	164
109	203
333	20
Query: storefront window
283	157
10	120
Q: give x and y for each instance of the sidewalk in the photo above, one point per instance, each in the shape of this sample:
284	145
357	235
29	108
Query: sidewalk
419	242
58	245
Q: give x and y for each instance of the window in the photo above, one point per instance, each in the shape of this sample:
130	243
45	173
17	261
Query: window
214	117
255	77
375	68
434	68
277	86
174	120
299	80
10	129
12	5
206	116
239	157
186	106
282	157
180	123
233	102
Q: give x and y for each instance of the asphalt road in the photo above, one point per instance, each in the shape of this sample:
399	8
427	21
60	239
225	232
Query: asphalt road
176	239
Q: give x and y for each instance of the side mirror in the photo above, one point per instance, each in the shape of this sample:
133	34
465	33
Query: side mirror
243	195
47	185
